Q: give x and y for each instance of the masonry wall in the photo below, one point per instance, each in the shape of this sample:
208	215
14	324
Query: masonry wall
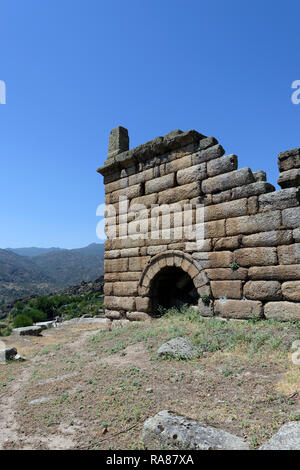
249	262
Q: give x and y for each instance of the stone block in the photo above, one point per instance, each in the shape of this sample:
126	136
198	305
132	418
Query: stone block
138	263
289	254
113	314
191	174
296	234
241	309
229	289
263	222
159	184
273	238
119	303
260	175
143	304
130	192
208	154
263	290
137	316
283	199
291	217
282	311
227	274
227	243
125	288
219	259
263	256
226	210
222	165
227	181
291	290
253	189
128	252
116	265
289	159
289	178
179	193
280	273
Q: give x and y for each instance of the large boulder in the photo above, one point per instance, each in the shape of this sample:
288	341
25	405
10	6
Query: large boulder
178	348
28	331
287	438
166	429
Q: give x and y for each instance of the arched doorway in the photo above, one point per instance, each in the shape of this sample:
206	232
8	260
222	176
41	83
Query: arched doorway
172	287
172	278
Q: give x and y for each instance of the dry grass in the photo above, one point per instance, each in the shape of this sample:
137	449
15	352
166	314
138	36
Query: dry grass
244	382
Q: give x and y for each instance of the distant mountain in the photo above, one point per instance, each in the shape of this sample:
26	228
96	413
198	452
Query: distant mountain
39	274
70	267
32	251
20	277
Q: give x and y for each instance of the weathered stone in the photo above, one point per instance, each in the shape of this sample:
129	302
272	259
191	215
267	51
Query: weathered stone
263	290
289	178
205	309
228	243
138	316
119	303
178	348
113	314
229	289
283	199
118	141
287	438
159	184
200	245
129	192
168	430
143	304
296	234
178	193
128	252
289	254
238	308
263	222
219	259
273	238
191	174
138	263
289	159
208	154
227	273
9	354
126	289
28	331
291	217
264	256
207	142
291	290
228	181
222	165
282	311
260	176
226	210
141	177
253	189
126	276
214	229
280	273
116	265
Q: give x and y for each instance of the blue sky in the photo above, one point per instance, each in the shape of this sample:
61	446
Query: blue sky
75	69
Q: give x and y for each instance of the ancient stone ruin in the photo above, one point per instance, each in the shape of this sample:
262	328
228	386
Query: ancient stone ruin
185	225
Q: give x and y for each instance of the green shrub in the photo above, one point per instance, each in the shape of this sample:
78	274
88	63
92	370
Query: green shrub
36	315
22	320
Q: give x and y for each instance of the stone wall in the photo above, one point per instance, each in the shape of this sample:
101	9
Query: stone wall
248	260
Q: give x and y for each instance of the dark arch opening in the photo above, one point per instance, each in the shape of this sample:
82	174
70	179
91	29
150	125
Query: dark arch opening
172	287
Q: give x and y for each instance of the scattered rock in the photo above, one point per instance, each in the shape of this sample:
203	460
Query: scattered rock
287	438
28	331
46	324
19	358
179	348
149	390
296	344
37	401
10	354
178	432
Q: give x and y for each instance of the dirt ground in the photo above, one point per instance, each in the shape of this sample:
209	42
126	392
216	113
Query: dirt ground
83	387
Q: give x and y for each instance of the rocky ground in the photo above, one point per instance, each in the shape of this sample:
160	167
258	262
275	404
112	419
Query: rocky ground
83	387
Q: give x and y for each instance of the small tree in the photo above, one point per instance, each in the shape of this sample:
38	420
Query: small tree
22	320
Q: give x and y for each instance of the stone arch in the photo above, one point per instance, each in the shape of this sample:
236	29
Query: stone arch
173	259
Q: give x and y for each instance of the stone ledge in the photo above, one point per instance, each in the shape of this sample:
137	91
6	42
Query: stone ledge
155	147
